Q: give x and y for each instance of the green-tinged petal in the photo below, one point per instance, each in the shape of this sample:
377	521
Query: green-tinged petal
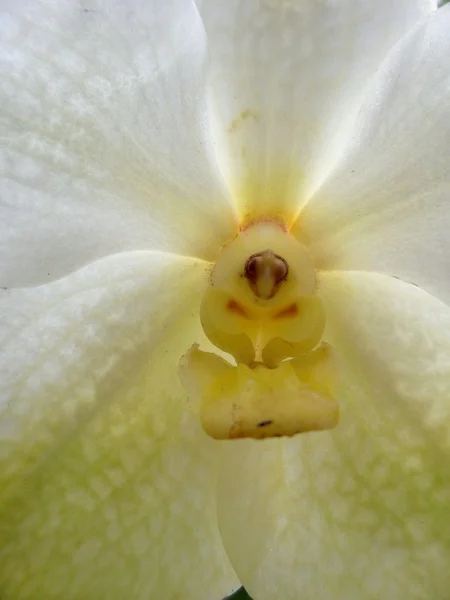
107	482
360	512
386	208
286	82
105	136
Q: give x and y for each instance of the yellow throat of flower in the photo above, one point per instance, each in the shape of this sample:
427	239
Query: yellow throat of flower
261	307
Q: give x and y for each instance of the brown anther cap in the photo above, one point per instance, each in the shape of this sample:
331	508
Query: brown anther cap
265	271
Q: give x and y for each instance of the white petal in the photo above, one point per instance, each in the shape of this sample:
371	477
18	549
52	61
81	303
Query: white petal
105	136
286	82
359	513
387	206
107	483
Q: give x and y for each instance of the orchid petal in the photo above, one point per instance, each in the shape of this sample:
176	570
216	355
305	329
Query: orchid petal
107	482
286	82
106	143
386	207
360	511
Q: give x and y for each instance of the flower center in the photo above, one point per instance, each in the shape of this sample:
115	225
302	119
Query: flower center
261	307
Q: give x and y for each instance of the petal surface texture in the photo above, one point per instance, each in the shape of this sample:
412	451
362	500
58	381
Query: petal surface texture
360	512
286	82
107	482
105	136
386	207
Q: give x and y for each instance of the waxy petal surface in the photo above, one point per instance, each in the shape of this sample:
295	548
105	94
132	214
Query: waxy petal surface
360	511
105	137
107	482
386	208
286	82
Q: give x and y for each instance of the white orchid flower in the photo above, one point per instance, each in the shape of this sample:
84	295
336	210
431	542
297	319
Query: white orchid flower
225	221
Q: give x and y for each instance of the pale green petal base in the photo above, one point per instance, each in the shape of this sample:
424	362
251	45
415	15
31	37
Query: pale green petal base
108	482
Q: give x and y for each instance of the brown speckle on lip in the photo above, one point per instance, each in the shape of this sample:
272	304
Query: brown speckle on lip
265	423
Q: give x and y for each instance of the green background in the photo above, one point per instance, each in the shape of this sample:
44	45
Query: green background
240	594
